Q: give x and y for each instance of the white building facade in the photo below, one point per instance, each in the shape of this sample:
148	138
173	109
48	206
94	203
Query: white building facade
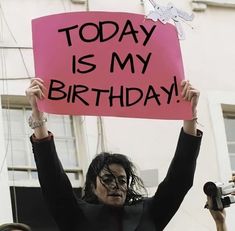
209	62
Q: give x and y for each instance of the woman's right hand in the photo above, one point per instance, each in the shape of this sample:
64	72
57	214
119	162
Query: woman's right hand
35	92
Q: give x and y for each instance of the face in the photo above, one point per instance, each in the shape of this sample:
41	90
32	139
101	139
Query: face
111	185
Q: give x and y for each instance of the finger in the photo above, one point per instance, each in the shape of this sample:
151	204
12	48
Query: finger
35	91
36	87
192	95
183	82
39	93
37	79
209	202
38	83
187	91
185	88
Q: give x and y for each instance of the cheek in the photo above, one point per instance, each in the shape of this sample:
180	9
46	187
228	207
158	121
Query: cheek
100	190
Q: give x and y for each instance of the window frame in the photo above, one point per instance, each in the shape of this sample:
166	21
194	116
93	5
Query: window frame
217	101
21	102
229	113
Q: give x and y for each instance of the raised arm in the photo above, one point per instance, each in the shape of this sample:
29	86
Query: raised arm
56	187
179	178
35	92
189	93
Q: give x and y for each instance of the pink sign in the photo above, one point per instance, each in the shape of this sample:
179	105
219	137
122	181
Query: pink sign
109	64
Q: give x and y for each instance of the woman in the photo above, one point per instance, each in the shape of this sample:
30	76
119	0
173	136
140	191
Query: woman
112	200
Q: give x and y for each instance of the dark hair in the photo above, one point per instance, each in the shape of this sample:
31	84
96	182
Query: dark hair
135	187
12	226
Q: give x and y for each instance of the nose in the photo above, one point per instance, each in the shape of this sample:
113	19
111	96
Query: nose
114	185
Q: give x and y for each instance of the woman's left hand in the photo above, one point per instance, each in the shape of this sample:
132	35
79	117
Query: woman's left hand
191	94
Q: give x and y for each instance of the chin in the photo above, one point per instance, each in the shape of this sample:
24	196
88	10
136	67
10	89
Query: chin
116	203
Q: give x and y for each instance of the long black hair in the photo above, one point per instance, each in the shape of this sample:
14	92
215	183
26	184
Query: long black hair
135	186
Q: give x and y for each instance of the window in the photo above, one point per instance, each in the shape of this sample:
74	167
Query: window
20	161
229	121
27	202
221	104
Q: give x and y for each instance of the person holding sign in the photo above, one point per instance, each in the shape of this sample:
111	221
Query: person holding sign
112	199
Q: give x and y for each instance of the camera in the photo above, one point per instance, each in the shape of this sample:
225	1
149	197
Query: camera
220	194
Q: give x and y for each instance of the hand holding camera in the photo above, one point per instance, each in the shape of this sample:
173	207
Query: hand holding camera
221	194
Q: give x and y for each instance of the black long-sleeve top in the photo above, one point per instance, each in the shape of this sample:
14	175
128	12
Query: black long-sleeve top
149	214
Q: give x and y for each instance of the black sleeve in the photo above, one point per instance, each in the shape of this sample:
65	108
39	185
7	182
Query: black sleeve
56	187
179	179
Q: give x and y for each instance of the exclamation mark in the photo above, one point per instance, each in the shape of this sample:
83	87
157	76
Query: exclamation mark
176	88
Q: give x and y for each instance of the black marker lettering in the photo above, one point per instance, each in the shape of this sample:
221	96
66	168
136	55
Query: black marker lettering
82	33
106	38
151	93
170	92
128	92
58	89
131	31
77	89
67	32
98	94
148	34
144	61
91	65
122	64
112	97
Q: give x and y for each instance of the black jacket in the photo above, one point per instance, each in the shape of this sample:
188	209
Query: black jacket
150	214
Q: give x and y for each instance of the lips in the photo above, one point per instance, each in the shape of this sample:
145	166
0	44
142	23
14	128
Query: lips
115	194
